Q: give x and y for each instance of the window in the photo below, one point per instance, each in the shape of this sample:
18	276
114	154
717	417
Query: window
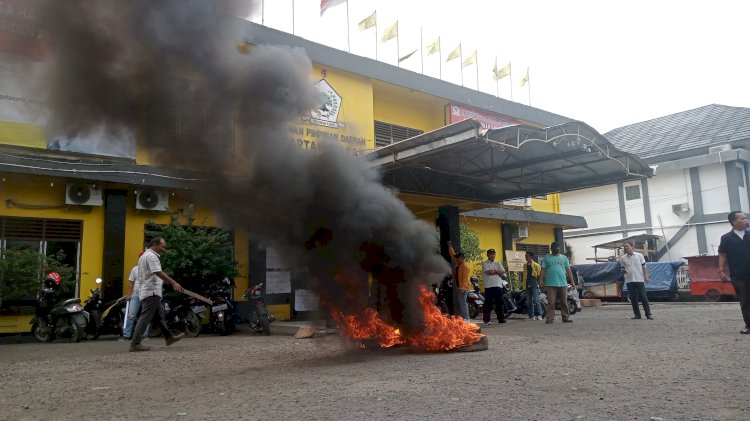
632	192
741	176
386	133
539	250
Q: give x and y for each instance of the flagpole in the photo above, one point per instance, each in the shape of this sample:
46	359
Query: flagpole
293	17
398	49
497	81
528	82
461	60
440	53
263	12
510	79
376	36
421	48
477	65
348	29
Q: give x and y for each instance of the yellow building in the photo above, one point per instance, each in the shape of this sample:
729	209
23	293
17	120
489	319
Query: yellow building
497	162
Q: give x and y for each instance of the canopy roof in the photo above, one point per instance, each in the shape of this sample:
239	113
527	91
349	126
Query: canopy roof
635	239
522	215
465	161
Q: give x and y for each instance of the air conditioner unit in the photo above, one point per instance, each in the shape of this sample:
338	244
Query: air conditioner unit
520	232
719	148
527	202
681	208
83	195
155	200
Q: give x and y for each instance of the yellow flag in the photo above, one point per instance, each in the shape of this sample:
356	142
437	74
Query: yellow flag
501	72
369	21
434	47
390	32
525	78
470	60
455	53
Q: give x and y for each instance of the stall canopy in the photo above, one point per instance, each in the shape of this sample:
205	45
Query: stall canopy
467	162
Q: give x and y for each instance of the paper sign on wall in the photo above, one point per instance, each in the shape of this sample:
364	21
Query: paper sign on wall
273	259
278	282
305	300
516	260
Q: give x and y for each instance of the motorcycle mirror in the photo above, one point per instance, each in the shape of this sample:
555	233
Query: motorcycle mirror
98	280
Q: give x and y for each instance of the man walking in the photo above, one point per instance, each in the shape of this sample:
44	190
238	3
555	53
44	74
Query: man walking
734	262
493	294
636	278
554	275
461	270
531	274
152	277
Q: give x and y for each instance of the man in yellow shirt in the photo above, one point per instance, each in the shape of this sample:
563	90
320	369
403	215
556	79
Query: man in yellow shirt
531	273
461	275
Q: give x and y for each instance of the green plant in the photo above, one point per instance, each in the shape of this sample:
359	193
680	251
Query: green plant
23	269
197	256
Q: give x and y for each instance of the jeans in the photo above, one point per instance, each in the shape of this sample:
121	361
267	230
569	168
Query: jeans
133	307
463	307
533	302
636	291
553	293
493	297
152	310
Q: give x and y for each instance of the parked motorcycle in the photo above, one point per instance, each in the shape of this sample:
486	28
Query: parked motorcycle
57	316
574	303
104	318
222	311
259	319
444	295
183	313
475	300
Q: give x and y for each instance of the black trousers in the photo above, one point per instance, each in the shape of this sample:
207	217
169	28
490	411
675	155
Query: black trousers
742	288
493	296
151	309
637	291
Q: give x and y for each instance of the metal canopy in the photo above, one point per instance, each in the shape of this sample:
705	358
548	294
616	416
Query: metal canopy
465	161
618	244
530	216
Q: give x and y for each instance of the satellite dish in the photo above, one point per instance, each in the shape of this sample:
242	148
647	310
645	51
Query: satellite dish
79	193
148	199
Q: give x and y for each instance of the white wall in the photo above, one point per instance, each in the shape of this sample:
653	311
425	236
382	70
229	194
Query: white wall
743	189
582	249
599	205
713	235
713	180
634	213
665	190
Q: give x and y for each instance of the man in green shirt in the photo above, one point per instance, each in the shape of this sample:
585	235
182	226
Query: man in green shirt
554	277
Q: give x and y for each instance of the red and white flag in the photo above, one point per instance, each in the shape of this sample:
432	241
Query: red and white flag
325	4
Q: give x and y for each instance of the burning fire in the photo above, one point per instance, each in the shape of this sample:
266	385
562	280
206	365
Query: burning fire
438	332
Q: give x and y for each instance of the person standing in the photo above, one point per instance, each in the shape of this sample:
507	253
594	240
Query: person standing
734	262
554	275
134	304
150	294
531	274
461	269
636	278
493	293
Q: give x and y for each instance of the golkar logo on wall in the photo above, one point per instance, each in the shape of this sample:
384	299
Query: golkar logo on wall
327	113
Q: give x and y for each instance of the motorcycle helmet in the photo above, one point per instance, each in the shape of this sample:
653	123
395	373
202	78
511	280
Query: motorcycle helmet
53	280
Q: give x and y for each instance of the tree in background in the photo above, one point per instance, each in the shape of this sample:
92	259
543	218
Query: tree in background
23	269
197	257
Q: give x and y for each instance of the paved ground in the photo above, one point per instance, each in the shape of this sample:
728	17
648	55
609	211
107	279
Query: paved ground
690	363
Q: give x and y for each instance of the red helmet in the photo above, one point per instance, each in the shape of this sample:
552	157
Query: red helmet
55	277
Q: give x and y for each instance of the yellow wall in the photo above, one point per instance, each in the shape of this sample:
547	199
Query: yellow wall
550	204
407	108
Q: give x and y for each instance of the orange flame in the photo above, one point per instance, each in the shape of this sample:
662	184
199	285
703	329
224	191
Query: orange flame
439	332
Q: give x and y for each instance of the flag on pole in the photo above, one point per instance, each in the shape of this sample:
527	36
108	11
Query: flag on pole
326	4
407	55
390	33
525	78
470	60
501	72
369	22
434	47
455	53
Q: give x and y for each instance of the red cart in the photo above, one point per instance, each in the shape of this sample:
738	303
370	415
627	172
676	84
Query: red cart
703	272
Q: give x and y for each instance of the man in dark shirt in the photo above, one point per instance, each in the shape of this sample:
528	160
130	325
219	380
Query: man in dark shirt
734	262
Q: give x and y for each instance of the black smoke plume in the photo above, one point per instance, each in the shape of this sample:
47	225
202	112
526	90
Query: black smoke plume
142	65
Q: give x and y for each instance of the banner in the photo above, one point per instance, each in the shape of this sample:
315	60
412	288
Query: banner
487	119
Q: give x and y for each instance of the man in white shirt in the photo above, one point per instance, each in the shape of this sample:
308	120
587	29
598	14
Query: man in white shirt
493	294
636	278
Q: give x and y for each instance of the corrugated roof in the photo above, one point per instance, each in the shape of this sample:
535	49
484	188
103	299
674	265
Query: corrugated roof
692	130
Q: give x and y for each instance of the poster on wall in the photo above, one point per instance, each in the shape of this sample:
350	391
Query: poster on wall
278	282
487	119
24	116
305	300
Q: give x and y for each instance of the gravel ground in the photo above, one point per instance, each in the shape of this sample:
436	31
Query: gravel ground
690	363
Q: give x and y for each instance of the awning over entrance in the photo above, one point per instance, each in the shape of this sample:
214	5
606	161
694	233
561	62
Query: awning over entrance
465	161
530	216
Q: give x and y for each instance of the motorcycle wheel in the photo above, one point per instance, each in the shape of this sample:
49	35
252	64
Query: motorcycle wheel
473	310
77	332
266	323
35	330
572	307
192	325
